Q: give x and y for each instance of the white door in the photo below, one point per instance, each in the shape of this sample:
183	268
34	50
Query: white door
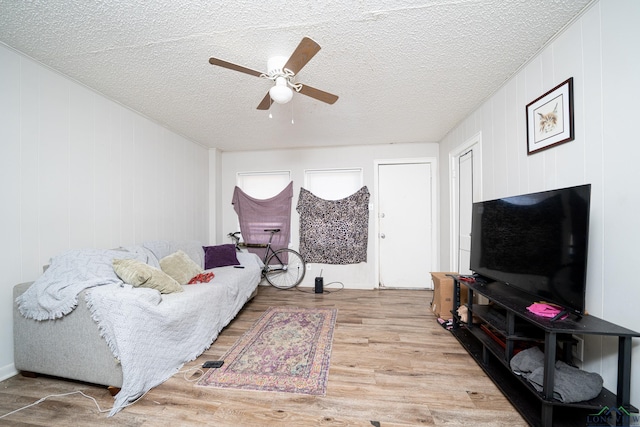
465	185
405	245
465	202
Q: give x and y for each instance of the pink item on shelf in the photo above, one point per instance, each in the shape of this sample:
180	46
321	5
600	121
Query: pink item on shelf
544	309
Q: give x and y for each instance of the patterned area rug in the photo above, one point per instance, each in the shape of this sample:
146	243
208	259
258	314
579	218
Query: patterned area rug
287	349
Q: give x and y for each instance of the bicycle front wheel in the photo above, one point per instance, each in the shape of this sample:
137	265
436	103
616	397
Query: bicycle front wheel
285	269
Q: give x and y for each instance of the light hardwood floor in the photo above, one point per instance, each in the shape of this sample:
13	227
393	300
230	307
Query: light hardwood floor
392	364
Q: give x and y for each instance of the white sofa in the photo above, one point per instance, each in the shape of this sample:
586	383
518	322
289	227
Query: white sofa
89	344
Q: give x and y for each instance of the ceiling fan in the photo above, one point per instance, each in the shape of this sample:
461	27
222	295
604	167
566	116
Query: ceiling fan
282	71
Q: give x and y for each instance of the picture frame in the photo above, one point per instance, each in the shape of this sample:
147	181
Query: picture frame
550	118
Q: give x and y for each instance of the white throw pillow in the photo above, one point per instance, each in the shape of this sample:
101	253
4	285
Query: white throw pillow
179	266
138	274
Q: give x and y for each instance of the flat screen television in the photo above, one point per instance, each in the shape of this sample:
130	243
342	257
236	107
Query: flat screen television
535	242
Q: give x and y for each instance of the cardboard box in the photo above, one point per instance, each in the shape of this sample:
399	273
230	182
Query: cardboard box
442	304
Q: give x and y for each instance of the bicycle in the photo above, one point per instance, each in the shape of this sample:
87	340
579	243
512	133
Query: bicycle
283	268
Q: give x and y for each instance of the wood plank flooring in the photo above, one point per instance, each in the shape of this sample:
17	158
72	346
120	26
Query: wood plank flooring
392	365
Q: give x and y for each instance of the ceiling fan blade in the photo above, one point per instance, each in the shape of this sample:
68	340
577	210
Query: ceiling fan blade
265	104
303	54
318	94
235	67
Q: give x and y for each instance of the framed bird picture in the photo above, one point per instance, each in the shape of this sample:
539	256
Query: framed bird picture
550	118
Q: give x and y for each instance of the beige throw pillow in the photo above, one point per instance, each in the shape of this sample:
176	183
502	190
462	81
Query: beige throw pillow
138	274
179	266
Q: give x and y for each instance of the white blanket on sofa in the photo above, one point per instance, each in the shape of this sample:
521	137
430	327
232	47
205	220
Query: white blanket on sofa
153	335
55	293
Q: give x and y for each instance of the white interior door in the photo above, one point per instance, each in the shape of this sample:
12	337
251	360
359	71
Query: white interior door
465	203
465	183
405	240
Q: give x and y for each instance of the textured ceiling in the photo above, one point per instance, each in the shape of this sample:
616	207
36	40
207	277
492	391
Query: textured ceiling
405	71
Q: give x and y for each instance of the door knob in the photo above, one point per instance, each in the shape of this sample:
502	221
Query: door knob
382	236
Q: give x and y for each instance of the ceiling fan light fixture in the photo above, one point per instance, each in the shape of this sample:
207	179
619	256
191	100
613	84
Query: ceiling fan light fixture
281	92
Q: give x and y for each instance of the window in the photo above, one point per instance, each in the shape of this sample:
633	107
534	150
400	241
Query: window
333	184
263	185
271	211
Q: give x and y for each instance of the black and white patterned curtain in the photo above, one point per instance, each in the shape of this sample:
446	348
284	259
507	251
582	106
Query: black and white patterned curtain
334	231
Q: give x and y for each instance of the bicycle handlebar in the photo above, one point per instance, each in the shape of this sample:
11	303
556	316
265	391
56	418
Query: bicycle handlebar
235	237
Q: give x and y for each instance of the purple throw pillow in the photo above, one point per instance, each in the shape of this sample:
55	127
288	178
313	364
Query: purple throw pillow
220	256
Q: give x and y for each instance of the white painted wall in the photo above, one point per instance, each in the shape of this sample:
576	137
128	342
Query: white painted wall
77	171
362	275
598	51
215	187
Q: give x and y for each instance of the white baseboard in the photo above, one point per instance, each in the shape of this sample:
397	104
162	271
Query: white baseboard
334	286
7	371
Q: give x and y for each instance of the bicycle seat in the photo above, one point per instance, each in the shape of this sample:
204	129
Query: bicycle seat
272	230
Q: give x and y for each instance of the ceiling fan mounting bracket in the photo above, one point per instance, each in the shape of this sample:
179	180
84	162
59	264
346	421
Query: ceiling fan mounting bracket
275	70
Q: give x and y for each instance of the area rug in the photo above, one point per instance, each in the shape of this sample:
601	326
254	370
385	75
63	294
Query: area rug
287	350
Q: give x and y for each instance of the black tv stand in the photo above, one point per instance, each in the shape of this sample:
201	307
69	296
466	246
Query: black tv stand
560	315
506	324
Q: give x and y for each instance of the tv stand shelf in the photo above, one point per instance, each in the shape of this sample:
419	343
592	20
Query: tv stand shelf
508	319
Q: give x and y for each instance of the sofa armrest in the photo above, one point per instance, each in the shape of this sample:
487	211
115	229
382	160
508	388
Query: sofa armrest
69	347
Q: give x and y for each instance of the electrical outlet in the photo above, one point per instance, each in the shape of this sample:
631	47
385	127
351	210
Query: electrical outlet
577	351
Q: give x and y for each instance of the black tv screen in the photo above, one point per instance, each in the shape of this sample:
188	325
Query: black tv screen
535	242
